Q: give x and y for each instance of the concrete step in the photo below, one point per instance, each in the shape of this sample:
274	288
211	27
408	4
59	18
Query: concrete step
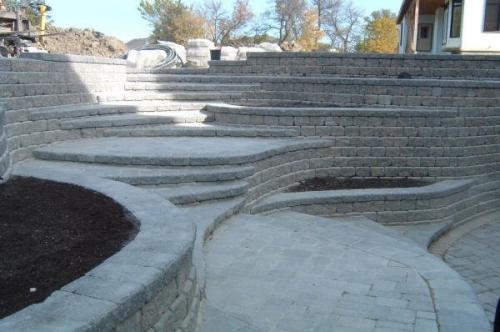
175	96
201	78
137	119
202	129
8	90
83	110
200	192
145	176
201	87
176	151
177	71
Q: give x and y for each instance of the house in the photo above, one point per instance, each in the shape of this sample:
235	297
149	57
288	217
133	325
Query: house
450	26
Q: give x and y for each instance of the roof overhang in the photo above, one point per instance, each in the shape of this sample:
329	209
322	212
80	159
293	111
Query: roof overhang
426	7
404	8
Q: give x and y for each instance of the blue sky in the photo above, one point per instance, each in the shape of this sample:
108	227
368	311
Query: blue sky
121	18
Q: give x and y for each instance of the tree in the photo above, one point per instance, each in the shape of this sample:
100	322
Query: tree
287	18
311	33
241	16
214	13
324	8
343	26
381	33
172	20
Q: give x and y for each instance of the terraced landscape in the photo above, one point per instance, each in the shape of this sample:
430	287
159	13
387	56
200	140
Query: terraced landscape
203	160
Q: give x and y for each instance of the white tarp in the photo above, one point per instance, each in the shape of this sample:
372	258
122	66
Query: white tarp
145	59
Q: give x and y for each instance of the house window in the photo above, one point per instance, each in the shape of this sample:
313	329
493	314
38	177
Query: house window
456	19
492	16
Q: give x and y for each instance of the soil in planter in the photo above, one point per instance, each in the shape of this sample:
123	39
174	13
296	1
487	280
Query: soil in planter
331	183
52	234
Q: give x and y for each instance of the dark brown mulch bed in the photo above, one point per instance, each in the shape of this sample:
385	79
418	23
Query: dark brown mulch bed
330	183
50	235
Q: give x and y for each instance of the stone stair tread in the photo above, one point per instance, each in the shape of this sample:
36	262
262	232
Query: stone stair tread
305	110
28	102
179	95
138	118
200	192
171	71
202	129
181	86
142	175
175	151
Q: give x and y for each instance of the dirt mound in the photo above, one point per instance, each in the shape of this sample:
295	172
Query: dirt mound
82	42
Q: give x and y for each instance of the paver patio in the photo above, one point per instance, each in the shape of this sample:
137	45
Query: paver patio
475	256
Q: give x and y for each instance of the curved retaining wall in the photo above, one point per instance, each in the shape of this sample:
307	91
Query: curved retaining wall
420	143
448	202
149	285
31	86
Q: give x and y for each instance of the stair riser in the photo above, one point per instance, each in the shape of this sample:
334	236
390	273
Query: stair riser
135	122
204	197
198	87
177	97
242	159
182	179
360	100
361	71
201	132
110	110
18	103
201	79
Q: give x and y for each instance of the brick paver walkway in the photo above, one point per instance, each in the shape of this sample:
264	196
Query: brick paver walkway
290	272
476	256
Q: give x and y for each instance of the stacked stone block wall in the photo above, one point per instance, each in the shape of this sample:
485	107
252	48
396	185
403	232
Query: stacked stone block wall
377	92
415	143
362	65
443	202
31	86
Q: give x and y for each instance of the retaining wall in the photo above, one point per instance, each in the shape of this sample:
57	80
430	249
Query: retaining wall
419	143
363	65
150	285
453	200
29	87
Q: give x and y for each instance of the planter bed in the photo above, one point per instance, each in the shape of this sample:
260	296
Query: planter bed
52	234
332	183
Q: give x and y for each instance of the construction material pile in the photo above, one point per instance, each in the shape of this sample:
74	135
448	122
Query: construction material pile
82	42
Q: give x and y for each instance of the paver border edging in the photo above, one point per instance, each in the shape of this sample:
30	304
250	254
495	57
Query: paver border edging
138	287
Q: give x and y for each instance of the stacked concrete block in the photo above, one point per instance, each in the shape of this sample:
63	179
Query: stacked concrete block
421	143
363	65
158	288
41	83
198	52
371	92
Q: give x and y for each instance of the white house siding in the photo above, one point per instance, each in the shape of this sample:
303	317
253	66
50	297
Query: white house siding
437	47
404	36
473	37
